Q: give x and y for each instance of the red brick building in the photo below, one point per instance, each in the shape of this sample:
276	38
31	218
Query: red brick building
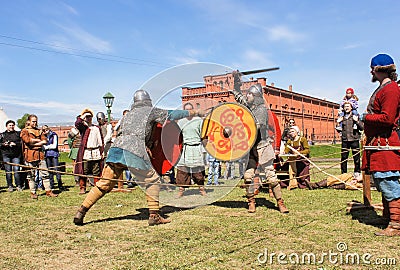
314	116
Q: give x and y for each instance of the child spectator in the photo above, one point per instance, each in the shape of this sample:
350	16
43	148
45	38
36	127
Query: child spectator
351	98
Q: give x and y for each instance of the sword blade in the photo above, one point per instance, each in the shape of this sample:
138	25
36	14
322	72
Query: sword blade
258	71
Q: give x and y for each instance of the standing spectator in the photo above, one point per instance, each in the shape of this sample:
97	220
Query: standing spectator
74	142
10	144
191	163
32	141
90	154
285	134
106	131
242	163
213	170
229	170
379	128
51	154
351	98
350	138
117	128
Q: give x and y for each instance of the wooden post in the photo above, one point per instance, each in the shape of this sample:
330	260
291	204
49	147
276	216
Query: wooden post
367	189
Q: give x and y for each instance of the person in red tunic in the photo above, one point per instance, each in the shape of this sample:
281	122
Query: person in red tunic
380	123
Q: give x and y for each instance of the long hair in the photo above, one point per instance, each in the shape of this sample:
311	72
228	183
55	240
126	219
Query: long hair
389	70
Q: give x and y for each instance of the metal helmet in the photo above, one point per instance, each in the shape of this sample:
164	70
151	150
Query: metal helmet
100	115
141	95
256	90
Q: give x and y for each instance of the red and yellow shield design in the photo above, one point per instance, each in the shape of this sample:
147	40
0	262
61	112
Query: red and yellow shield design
229	131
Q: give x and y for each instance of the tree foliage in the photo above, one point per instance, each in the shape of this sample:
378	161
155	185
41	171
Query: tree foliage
21	122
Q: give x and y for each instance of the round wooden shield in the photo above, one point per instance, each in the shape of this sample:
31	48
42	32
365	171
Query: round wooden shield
229	131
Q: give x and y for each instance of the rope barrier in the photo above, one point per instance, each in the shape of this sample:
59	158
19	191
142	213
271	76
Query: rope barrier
334	176
28	168
220	186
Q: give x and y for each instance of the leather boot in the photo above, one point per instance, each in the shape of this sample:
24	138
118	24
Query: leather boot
34	196
282	207
339	186
202	191
156	219
393	229
80	214
180	192
316	185
82	186
252	204
50	193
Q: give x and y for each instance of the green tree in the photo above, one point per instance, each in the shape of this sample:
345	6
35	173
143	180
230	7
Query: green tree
21	122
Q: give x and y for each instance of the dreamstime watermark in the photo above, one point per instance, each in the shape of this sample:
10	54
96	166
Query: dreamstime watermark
340	256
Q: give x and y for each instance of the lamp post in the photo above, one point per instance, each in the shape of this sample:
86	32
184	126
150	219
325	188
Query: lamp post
108	101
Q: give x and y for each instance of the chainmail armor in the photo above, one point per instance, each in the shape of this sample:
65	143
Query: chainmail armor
259	112
137	126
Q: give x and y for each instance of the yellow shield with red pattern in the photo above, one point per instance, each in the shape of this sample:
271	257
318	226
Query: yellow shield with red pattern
229	131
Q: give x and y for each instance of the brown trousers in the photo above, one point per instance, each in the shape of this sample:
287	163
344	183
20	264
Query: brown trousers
145	178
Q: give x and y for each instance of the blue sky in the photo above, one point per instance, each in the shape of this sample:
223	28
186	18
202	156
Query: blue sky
58	57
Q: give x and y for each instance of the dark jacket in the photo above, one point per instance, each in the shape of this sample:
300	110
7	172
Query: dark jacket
51	149
11	151
349	133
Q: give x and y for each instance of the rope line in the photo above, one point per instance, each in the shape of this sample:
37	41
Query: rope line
28	168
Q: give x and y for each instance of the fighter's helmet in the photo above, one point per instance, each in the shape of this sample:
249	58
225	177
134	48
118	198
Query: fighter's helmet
141	95
256	90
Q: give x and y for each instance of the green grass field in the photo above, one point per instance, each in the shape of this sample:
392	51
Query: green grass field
223	235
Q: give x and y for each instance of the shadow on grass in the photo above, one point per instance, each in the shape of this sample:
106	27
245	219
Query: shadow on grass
260	202
368	216
142	215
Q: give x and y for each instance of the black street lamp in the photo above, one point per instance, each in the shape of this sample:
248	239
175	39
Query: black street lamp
108	101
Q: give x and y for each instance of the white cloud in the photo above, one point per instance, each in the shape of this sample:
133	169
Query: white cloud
77	36
70	9
250	15
282	32
49	106
183	60
193	52
254	59
190	55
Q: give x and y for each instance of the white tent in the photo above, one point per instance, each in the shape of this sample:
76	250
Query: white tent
3	119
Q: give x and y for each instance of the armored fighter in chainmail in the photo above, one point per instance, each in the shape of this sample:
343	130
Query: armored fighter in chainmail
262	153
130	151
